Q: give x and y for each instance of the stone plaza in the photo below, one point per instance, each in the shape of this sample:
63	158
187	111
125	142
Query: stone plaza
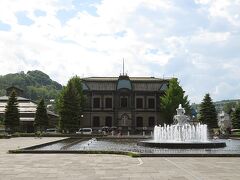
98	166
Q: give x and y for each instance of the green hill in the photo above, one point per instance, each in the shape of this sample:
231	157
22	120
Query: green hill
35	84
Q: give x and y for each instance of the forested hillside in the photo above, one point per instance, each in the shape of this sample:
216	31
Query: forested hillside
35	84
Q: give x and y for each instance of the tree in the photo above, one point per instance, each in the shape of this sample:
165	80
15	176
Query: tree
59	100
41	117
77	83
12	117
171	100
70	104
35	84
208	113
236	118
229	106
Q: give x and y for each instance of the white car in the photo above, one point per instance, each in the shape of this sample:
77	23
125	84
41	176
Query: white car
51	131
84	131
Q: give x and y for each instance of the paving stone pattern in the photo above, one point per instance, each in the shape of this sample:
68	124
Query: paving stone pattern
90	166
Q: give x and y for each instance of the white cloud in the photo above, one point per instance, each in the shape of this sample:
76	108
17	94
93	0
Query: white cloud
206	37
198	42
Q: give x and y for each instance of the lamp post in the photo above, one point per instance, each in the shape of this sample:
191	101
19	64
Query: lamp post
81	119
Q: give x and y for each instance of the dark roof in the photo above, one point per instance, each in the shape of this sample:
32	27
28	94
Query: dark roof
138	83
134	79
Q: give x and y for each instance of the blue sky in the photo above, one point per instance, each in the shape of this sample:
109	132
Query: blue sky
197	41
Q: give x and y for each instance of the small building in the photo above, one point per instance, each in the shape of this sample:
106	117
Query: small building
127	103
27	110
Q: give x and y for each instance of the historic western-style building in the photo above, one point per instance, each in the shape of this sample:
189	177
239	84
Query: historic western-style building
128	103
27	109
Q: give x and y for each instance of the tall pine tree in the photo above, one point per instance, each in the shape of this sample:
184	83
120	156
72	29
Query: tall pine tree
236	118
208	113
171	100
41	117
12	117
70	105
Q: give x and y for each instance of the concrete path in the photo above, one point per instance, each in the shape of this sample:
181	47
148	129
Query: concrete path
88	166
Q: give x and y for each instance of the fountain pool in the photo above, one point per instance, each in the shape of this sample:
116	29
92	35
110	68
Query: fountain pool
182	134
125	146
181	139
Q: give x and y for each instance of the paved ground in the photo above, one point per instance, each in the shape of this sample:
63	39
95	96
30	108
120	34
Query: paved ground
81	166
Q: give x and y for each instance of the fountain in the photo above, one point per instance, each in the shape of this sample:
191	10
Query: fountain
181	130
182	134
181	139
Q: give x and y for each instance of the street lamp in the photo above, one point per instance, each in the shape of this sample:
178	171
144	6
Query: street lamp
80	120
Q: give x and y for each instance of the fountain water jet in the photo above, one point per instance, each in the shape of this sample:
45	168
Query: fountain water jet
181	134
181	131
